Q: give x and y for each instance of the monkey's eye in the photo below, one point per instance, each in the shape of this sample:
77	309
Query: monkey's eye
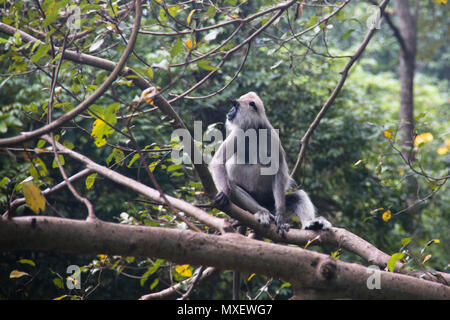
253	105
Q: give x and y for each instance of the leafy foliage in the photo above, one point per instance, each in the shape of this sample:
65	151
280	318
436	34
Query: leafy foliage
352	168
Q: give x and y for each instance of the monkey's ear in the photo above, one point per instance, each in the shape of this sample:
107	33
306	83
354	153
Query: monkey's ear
253	105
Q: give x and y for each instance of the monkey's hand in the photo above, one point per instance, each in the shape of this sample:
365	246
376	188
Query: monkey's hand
281	226
221	200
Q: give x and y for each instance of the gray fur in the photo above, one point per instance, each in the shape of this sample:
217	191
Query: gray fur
244	184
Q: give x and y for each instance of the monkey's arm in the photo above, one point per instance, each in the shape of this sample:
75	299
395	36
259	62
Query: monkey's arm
279	183
219	173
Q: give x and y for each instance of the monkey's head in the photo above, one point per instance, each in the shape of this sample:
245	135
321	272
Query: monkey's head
247	112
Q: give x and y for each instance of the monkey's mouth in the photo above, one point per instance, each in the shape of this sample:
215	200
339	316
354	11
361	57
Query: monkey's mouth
232	114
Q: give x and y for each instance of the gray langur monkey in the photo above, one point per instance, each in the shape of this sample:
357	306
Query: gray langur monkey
238	170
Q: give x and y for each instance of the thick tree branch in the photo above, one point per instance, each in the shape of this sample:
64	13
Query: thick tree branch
307	270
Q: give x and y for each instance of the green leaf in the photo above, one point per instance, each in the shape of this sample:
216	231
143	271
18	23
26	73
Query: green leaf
118	156
27	261
176	49
405	241
135	157
90	179
17	38
285	285
154	284
41	52
347	34
58	283
152	166
206	65
150	271
40	144
149	72
393	261
173	10
35	45
61	159
68	144
312	21
110	113
420	116
3	182
174	167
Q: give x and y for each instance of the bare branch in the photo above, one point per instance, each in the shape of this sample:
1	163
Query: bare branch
344	73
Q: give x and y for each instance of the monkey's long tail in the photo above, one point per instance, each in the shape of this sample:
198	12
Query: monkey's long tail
237	274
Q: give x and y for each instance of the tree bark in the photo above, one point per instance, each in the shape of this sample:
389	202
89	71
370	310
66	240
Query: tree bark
407	28
308	271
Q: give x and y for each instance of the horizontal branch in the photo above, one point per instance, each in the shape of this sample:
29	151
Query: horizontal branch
308	269
338	237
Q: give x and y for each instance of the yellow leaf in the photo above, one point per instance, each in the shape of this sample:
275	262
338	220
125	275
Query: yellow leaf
33	197
386	215
102	256
251	276
191	45
423	138
445	148
387	135
100	131
185	270
188	20
426	258
311	241
436	241
17	274
442	150
337	254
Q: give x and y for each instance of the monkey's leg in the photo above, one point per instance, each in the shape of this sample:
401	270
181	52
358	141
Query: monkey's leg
244	200
300	203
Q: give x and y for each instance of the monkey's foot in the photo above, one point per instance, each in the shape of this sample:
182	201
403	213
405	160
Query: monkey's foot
320	223
263	217
221	200
282	227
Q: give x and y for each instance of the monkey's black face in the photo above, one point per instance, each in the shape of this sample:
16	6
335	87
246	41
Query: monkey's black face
232	113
